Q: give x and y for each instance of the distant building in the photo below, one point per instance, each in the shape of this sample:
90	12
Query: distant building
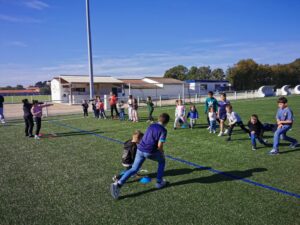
201	87
29	91
74	89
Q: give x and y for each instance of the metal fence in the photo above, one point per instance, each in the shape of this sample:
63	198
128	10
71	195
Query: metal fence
17	99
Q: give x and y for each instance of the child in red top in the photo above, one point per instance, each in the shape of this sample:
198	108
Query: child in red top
100	107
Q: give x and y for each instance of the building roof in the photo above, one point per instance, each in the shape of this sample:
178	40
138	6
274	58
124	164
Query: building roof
138	84
207	81
86	79
163	80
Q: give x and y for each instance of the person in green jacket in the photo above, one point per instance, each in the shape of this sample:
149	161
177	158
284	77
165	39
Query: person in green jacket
150	107
210	102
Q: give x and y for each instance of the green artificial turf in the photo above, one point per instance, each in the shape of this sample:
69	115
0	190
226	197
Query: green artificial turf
64	178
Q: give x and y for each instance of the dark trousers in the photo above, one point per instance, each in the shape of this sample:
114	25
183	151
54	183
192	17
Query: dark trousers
112	108
102	114
28	125
150	117
38	123
85	112
240	124
97	113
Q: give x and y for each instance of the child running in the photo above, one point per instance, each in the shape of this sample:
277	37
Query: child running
193	116
256	131
150	147
129	152
179	113
222	112
37	112
150	108
210	101
233	120
85	107
285	120
212	116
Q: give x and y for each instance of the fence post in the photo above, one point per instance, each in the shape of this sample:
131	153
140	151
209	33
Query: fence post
196	98
160	100
12	99
235	95
138	100
105	102
46	110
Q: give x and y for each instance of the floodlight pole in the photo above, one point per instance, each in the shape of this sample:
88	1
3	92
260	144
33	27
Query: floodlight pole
90	54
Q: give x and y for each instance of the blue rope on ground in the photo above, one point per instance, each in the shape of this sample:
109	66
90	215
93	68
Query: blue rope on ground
248	181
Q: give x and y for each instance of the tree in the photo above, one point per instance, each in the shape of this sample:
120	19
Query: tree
218	74
178	72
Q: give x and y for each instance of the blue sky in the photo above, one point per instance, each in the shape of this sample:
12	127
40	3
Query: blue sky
134	38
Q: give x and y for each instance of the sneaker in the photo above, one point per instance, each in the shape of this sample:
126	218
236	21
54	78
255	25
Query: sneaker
220	134
161	184
3	121
214	131
226	131
254	148
228	139
208	128
294	145
175	128
115	190
274	152
36	137
210	131
30	136
114	178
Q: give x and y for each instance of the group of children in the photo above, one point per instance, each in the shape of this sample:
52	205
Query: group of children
220	111
119	107
150	145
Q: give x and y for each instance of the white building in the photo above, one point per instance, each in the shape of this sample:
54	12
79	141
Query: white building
201	87
74	89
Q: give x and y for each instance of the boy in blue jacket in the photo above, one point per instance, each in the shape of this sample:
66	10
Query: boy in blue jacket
150	147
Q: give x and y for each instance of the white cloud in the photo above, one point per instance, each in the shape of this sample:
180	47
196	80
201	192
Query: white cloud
17	19
36	4
155	63
16	44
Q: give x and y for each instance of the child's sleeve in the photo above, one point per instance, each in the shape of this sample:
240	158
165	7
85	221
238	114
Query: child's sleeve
163	137
188	115
206	106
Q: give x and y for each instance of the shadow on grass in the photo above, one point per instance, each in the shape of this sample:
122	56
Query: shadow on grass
290	151
215	178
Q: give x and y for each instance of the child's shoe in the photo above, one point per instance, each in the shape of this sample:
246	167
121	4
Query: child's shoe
36	137
274	152
115	190
220	134
161	184
226	131
254	148
294	145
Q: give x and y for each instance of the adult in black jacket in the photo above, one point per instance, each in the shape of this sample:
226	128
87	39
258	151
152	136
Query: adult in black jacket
28	118
1	109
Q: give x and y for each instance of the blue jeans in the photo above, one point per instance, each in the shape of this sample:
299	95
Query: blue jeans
122	115
282	132
253	140
212	125
140	157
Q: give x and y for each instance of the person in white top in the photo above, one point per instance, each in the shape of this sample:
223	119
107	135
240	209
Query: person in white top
179	113
212	116
129	103
233	120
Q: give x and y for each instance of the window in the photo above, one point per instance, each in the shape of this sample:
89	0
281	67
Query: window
78	89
